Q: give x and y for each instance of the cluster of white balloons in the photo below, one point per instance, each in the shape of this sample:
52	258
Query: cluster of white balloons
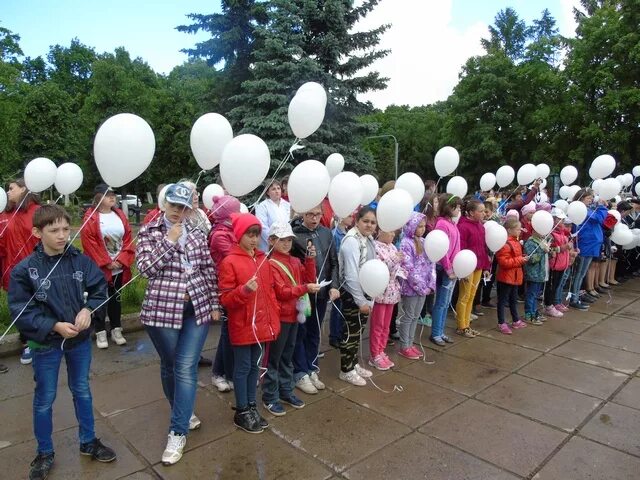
41	174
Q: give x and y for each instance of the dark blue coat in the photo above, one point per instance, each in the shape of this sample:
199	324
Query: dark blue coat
590	233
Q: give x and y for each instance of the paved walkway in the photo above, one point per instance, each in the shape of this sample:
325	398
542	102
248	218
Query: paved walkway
561	401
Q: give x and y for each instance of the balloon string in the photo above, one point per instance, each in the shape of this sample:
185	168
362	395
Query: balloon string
278	168
15	211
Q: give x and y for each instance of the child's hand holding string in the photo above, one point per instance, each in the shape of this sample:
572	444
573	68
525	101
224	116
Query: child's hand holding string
252	284
313	287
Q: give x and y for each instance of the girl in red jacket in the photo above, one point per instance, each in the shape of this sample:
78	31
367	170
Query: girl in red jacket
559	263
510	275
292	284
247	293
106	239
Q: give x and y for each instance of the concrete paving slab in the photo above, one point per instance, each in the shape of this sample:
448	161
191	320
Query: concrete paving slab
570	325
144	475
612	305
631	310
494	353
532	398
623	324
630	394
574	375
604	335
493	434
18	380
138	352
616	426
599	355
533	337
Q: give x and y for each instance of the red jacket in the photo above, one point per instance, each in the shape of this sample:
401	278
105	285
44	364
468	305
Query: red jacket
560	243
151	215
527	229
94	247
472	238
221	242
510	262
16	241
286	293
254	317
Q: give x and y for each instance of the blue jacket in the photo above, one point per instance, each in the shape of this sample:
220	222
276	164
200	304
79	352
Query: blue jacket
590	233
57	298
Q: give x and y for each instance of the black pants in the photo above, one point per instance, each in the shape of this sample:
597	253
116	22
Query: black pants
354	323
507	295
552	285
114	306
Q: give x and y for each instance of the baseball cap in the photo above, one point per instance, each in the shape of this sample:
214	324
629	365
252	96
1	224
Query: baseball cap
102	188
179	194
281	230
558	213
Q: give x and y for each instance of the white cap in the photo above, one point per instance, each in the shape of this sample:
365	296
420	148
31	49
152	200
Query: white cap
558	213
281	230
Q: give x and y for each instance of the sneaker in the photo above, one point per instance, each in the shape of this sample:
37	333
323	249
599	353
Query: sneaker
488	305
353	378
395	336
316	381
292	400
553	312
98	451
447	339
306	385
562	308
477	312
363	372
116	336
220	383
533	321
415	350
204	362
540	317
465	332
504	328
586	298
320	354
3	368
194	422
408	353
101	339
245	420
379	362
438	341
390	342
475	332
426	320
578	306
40	466
27	357
519	324
389	361
262	422
275	408
173	451
473	317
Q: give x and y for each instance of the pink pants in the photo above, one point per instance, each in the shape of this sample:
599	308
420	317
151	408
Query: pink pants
379	328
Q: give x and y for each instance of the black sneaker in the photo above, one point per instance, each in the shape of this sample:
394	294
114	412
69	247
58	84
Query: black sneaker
98	451
578	306
586	298
40	466
245	420
256	414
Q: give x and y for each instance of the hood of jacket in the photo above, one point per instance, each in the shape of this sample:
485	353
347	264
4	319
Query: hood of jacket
409	230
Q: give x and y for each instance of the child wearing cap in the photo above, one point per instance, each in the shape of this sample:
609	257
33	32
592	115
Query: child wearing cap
247	293
293	282
559	257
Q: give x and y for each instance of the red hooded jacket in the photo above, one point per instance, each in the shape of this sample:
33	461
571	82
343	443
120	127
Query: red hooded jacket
94	247
254	317
16	241
510	262
286	293
560	241
472	238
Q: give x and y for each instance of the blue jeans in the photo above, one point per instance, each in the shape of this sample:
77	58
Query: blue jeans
335	324
179	351
531	293
305	356
223	363
444	292
559	297
278	381
581	267
246	371
46	366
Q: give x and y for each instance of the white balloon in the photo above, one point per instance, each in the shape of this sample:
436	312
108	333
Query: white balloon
595	185
602	166
527	174
636	171
577	212
306	113
490	224
162	197
123	148
568	174
369	189
334	164
446	161
243	208
615	213
564	191
374	277
209	135
495	236
436	245
505	175
308	185
315	89
345	193
245	164
394	209
39	174
621	179
628	180
621	234
464	263
68	178
413	184
210	193
457	186
542	222
573	189
3	199
617	199
562	205
487	182
637	189
542	171
609	188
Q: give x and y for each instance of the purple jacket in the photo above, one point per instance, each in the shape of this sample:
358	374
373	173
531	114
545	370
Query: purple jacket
421	273
472	238
448	227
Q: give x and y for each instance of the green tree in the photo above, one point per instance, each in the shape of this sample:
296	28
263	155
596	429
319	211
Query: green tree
508	35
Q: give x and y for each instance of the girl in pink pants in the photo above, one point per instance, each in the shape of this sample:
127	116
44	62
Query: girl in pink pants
383	306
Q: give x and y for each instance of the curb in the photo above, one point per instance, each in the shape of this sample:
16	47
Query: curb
11	345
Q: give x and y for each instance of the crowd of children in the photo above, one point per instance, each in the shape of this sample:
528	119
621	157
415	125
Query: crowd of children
272	301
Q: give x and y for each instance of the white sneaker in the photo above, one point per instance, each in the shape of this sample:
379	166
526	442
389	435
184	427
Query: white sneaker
473	316
230	384
220	383
116	336
316	381
173	451
363	372
101	339
194	422
353	378
306	385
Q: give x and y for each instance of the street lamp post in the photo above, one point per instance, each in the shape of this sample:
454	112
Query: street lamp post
395	143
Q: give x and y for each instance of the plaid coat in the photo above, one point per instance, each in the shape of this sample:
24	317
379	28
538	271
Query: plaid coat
159	260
